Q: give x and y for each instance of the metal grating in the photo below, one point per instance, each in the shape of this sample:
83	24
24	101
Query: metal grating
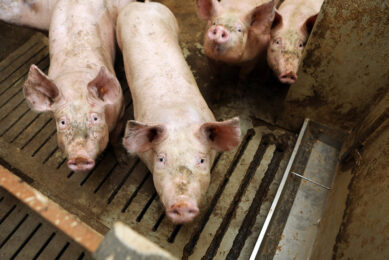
24	234
244	181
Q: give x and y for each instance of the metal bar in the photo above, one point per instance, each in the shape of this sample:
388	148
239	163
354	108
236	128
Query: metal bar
52	212
279	191
312	181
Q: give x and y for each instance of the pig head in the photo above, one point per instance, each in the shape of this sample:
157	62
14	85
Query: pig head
180	159
235	35
85	118
287	45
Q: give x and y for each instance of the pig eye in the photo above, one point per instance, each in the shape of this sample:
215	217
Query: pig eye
161	159
201	159
214	23
95	117
301	45
62	123
278	42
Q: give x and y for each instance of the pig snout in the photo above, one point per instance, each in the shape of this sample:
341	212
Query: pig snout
218	34
288	78
81	163
182	212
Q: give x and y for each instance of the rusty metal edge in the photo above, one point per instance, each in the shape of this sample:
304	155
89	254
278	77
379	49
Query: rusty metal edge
51	211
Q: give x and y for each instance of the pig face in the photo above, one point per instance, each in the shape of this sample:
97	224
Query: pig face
231	36
286	48
82	129
226	38
180	160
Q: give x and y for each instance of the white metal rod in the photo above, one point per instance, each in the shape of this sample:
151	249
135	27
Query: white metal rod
279	191
312	181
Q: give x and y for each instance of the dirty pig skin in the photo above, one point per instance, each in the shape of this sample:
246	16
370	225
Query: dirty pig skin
81	89
237	32
174	132
292	24
33	13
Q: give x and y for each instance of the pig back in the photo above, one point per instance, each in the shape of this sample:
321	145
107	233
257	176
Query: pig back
156	70
81	38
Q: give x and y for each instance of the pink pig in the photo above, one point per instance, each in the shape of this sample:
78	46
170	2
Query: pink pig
33	13
291	27
175	133
81	89
238	32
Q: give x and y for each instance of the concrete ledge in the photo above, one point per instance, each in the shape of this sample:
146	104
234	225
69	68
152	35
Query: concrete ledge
124	243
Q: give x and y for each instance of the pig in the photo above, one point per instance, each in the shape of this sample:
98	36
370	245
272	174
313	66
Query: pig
292	24
237	32
174	132
33	13
81	89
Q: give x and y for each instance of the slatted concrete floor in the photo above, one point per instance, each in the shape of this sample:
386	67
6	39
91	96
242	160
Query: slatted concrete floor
243	182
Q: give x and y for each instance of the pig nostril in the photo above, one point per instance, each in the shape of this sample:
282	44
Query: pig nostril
176	212
289	78
81	164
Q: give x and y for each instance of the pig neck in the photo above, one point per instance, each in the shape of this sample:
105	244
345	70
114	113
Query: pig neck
81	42
162	86
168	95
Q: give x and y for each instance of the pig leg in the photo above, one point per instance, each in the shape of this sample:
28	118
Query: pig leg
32	13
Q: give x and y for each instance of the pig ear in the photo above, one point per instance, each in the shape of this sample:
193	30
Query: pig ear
309	23
207	8
221	136
277	21
262	17
105	87
139	137
39	90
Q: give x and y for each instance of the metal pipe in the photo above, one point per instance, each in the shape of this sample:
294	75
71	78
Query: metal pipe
279	191
312	181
